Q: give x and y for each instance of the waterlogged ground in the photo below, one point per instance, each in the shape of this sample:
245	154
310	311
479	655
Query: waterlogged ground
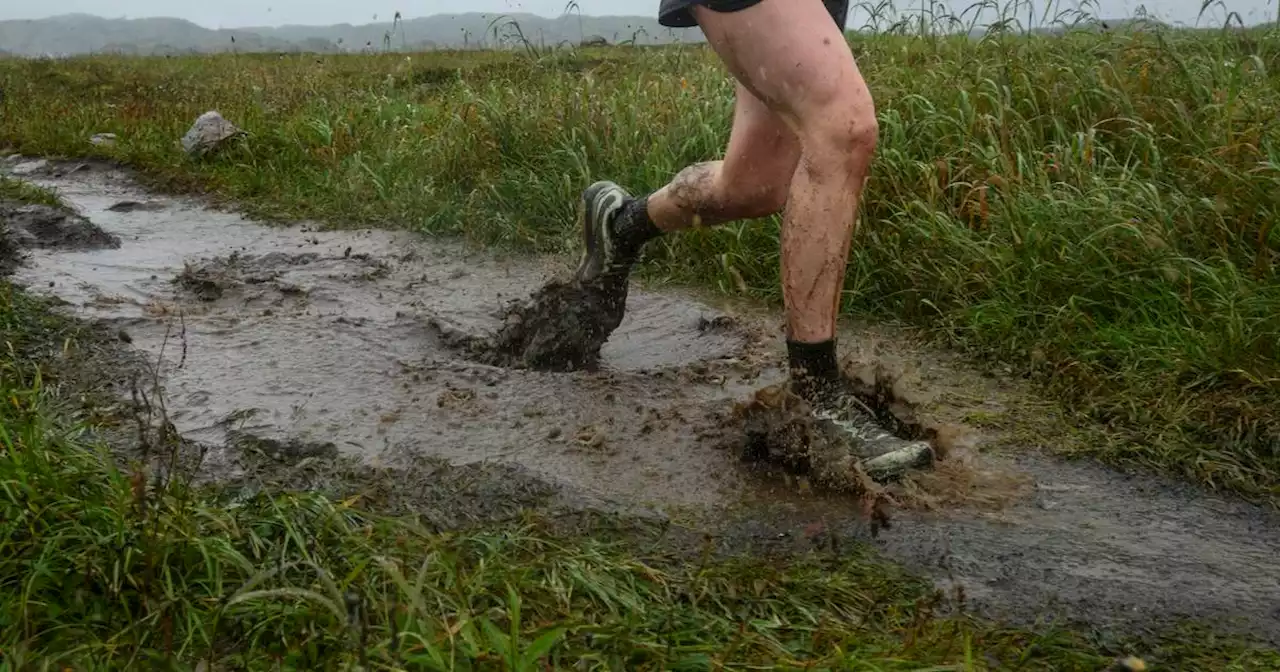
290	350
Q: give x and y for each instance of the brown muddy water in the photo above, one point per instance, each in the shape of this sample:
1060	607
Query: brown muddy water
342	342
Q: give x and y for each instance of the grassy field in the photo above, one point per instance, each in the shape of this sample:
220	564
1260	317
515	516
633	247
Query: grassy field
1075	209
1094	211
105	564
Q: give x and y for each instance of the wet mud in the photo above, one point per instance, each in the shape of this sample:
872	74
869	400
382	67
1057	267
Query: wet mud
561	327
442	495
781	429
419	375
24	227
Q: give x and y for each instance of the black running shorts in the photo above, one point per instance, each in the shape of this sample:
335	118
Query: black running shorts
677	13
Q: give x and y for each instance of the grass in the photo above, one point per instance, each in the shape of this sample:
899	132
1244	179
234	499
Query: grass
21	192
1095	211
109	564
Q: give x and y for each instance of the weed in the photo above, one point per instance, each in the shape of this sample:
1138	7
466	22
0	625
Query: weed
17	191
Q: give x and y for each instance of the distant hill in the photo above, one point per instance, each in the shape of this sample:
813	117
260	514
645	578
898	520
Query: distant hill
487	30
72	34
83	33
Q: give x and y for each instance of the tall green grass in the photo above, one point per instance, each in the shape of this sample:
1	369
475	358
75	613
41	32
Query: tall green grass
1094	210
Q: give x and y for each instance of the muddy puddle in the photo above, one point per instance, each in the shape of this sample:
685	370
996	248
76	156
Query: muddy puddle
301	334
369	346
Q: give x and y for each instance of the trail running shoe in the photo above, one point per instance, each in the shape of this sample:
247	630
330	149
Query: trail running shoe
601	255
883	455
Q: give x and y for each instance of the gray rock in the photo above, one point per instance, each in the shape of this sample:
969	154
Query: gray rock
100	139
209	132
30	167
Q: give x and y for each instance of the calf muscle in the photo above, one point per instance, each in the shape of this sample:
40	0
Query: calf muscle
751	181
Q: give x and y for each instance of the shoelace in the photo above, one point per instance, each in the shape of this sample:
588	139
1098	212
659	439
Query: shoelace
865	428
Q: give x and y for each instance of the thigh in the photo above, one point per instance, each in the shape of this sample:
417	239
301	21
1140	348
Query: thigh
789	54
763	151
679	14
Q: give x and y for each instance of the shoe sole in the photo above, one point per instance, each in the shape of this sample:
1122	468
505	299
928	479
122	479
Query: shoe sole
886	466
894	464
598	201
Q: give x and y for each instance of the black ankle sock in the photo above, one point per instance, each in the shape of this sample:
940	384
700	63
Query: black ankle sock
633	228
814	367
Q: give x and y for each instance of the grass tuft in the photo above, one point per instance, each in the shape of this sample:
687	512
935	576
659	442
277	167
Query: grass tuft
17	191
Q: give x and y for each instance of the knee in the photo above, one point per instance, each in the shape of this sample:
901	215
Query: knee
842	135
861	132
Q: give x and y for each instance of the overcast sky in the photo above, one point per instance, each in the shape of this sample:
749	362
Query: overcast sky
240	13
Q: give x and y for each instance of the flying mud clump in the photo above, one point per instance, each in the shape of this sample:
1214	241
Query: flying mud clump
24	227
212	279
561	327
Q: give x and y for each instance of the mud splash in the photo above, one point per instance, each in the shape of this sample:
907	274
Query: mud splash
320	346
780	428
561	327
776	427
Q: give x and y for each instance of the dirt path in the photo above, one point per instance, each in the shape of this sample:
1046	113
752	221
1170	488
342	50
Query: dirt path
322	338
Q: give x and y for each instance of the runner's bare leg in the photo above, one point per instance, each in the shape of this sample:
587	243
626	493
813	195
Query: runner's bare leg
750	182
795	72
794	59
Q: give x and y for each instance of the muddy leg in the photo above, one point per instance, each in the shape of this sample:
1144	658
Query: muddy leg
796	62
806	115
750	182
803	137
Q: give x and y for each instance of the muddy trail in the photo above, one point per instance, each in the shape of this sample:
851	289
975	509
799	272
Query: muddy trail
287	350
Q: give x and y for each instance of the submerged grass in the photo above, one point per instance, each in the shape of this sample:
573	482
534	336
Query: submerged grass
17	191
1094	210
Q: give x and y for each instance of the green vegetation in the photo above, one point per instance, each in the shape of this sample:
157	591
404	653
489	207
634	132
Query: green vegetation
21	192
1094	210
107	565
